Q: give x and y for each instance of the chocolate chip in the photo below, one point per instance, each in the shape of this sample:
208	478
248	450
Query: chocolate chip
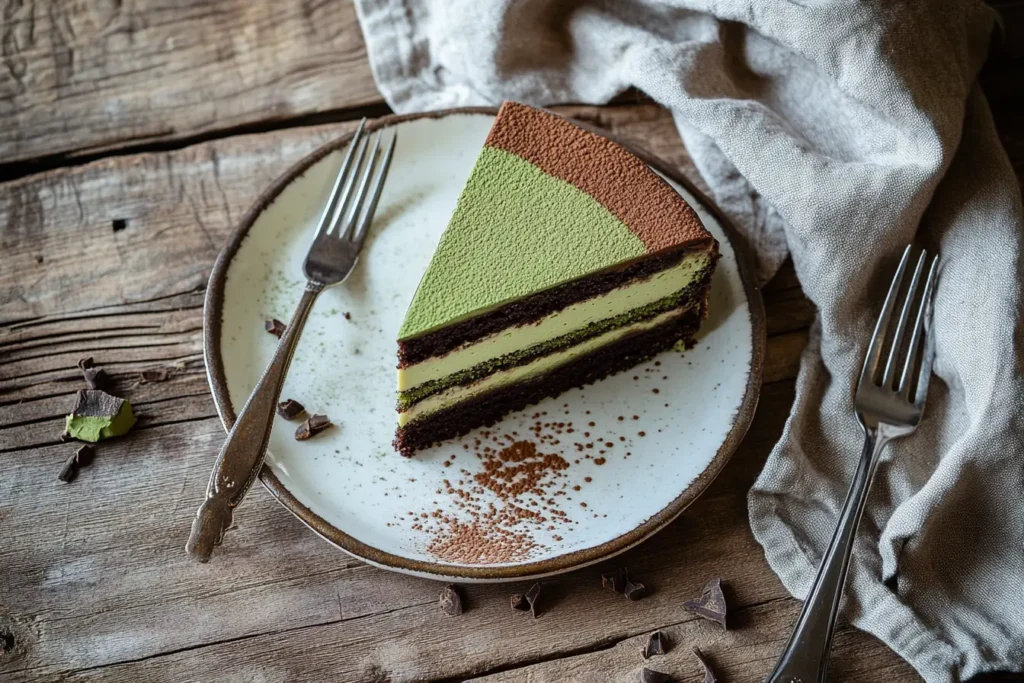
709	675
311	427
451	601
70	469
290	409
617	581
84	456
655	645
518	602
275	327
711	603
634	591
155	375
348	316
652	676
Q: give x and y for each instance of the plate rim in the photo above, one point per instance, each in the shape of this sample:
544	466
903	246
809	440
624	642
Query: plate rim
213	304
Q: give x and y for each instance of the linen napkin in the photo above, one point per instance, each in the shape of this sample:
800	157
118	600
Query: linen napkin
834	132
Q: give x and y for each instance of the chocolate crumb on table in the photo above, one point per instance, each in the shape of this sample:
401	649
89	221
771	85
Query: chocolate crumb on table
711	603
95	378
450	600
652	676
656	645
70	469
533	599
634	591
616	581
84	455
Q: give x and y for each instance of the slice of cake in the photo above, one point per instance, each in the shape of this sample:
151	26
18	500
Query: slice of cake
566	259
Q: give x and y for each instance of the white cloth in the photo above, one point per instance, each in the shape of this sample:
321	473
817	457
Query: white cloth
834	132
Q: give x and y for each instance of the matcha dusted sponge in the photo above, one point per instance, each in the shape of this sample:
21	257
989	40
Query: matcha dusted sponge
97	415
566	259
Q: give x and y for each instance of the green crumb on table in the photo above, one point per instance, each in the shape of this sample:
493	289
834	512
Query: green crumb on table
98	415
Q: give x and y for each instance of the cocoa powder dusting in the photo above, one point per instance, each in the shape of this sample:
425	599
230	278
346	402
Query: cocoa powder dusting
513	491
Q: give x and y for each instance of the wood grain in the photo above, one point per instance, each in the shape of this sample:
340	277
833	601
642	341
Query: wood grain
98	75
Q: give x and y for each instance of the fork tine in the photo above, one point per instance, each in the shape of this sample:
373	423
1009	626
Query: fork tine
350	181
332	201
901	325
921	334
364	183
867	374
378	186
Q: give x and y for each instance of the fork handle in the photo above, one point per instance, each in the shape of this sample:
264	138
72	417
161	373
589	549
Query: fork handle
241	456
805	658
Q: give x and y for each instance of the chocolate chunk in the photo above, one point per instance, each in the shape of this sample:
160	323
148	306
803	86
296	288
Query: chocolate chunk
275	327
518	602
95	378
711	604
290	409
451	601
84	456
98	415
155	375
70	469
652	676
709	675
532	598
617	581
655	645
635	591
311	427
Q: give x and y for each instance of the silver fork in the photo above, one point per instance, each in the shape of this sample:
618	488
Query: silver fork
887	410
332	256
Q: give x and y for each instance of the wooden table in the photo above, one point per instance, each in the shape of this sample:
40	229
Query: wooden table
132	139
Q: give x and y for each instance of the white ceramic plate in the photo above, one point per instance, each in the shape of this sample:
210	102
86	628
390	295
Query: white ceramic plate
348	483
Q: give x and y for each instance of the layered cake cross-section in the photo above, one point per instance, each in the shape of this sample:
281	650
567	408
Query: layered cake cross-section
566	259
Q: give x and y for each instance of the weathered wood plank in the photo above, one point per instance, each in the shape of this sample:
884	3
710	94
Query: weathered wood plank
89	76
743	654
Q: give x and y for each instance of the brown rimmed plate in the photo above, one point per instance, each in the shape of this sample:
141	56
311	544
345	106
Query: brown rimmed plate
682	414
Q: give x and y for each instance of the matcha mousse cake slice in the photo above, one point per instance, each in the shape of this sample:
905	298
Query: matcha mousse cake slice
566	259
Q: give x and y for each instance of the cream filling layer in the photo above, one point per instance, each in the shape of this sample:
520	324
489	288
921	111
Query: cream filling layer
570	319
520	373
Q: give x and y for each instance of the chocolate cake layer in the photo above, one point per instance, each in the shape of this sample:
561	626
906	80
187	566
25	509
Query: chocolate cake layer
537	306
486	409
692	295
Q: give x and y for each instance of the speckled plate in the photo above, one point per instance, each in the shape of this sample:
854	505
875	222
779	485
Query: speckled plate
624	456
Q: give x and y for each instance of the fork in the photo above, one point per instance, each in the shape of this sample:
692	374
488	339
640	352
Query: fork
332	256
887	409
